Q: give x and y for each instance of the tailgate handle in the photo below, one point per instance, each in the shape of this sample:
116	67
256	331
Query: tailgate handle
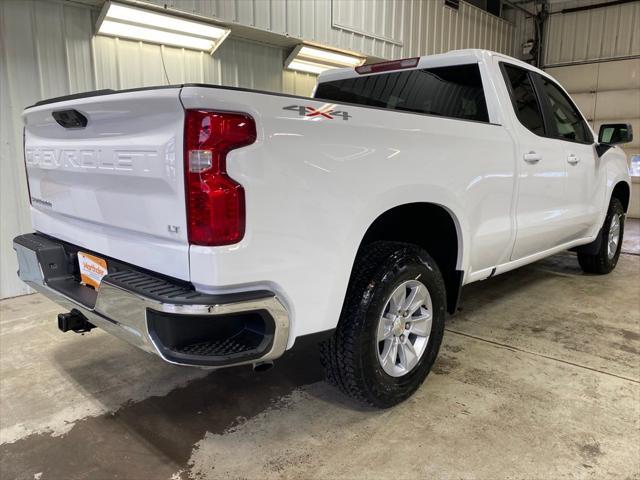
70	118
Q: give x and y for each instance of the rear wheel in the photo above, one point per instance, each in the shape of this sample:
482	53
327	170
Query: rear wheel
391	325
606	258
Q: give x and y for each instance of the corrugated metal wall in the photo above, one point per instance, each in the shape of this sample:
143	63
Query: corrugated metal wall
431	28
306	19
125	64
601	33
47	49
524	27
381	28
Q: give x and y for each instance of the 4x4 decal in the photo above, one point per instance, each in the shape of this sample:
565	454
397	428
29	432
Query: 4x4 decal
326	111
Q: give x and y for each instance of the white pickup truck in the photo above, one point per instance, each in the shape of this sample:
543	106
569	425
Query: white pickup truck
218	226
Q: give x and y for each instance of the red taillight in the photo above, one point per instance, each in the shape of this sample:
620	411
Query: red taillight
215	202
386	66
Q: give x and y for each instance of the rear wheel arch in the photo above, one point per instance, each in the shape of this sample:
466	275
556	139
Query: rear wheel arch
440	235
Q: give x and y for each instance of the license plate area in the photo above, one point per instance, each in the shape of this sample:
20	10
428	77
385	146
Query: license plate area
92	269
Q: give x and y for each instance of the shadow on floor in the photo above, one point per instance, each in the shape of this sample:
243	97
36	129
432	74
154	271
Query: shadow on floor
155	437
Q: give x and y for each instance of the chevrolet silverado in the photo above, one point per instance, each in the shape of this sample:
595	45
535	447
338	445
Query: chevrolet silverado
218	226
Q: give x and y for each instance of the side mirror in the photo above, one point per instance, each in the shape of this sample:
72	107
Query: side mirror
615	133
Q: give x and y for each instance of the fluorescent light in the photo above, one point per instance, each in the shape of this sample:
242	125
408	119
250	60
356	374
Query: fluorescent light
135	15
307	67
154	36
326	55
311	59
124	21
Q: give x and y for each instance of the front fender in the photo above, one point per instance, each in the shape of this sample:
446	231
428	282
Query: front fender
617	171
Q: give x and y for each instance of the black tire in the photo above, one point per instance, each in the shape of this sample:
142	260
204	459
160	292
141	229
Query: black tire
350	357
600	263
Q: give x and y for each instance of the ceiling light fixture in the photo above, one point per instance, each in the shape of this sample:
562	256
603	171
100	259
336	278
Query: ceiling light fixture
125	21
311	59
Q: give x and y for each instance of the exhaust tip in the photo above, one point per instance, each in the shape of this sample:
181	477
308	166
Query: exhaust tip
262	366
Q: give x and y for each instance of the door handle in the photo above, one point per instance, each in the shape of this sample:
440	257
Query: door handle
532	157
573	160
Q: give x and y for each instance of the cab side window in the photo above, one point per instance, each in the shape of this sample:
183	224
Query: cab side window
523	98
565	118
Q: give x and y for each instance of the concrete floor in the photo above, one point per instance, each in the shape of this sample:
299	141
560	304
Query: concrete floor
538	377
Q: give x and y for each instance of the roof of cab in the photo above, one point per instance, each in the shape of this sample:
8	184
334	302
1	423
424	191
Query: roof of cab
454	57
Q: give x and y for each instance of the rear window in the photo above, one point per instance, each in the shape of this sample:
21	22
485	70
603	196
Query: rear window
444	91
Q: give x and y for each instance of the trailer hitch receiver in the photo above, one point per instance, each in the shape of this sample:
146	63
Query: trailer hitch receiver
75	321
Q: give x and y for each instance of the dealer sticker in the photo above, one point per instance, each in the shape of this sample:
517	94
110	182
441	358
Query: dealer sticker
92	269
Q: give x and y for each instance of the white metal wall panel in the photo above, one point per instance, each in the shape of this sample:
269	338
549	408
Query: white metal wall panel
621	75
614	105
15	92
617	104
586	102
308	19
381	19
381	28
583	36
597	34
524	26
433	28
577	78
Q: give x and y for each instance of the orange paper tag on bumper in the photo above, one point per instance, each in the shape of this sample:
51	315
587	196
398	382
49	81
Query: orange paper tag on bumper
92	269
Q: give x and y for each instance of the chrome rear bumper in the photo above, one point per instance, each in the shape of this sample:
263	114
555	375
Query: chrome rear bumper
125	307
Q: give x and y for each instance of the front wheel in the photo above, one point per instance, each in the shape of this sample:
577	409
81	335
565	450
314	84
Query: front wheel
391	325
607	255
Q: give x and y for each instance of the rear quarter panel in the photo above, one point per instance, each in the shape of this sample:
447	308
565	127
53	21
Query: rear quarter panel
314	185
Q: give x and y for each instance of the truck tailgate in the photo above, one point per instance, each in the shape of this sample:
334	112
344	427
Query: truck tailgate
116	185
